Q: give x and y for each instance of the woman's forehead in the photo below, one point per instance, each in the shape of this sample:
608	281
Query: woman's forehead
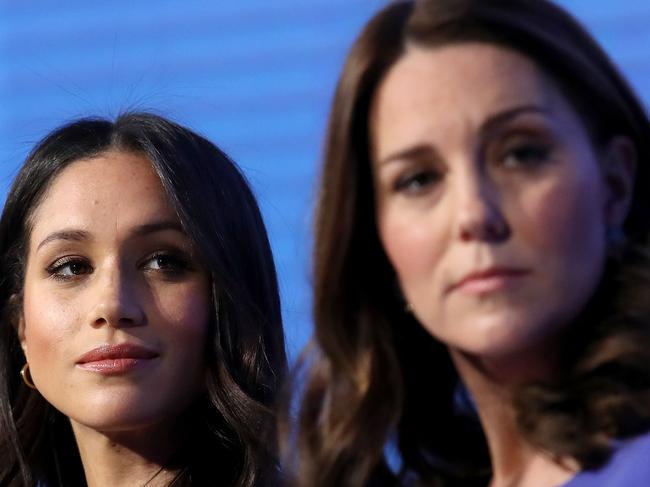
430	90
107	193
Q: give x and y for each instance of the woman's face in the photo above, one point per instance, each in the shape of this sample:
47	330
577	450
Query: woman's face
116	303
492	204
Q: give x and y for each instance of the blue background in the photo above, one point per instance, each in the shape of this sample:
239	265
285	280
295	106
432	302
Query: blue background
254	76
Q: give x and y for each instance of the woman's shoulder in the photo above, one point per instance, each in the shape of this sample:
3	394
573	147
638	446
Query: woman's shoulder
628	467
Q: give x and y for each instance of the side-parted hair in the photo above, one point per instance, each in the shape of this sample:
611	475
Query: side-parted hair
229	430
372	375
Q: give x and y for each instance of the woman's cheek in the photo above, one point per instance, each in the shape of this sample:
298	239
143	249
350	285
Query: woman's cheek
564	217
49	327
409	242
185	308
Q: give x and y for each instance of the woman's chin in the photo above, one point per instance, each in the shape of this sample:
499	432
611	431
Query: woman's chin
497	336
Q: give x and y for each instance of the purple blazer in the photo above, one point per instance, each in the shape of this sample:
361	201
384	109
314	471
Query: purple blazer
628	467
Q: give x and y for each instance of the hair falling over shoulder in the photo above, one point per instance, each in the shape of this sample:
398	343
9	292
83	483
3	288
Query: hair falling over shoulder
372	376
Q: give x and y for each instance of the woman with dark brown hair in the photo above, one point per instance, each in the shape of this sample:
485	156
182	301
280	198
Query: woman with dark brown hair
482	303
141	338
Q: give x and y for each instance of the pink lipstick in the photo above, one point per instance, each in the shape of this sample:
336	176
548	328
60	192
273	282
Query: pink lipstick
116	359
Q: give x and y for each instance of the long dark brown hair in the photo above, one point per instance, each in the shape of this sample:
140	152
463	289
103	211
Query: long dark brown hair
229	430
372	376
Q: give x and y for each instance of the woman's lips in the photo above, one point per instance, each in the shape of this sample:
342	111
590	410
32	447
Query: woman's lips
488	280
116	359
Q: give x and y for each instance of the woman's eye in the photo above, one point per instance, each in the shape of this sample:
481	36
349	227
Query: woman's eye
69	268
526	155
417	182
167	262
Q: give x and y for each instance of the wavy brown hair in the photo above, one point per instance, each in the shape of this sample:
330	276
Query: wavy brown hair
372	375
229	429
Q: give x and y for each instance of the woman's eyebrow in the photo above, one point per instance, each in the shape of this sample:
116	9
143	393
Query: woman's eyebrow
75	235
492	123
504	116
66	234
415	152
157	226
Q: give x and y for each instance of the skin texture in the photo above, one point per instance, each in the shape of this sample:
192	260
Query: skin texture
493	204
123	271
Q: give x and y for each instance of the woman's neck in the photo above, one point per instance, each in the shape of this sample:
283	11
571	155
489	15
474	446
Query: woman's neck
127	458
515	463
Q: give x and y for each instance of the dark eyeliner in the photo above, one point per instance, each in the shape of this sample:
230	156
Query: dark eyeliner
55	268
178	263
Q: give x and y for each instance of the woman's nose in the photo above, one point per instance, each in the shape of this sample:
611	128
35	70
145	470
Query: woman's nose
116	301
479	214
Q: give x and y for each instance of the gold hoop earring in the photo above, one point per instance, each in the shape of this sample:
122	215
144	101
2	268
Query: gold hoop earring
27	377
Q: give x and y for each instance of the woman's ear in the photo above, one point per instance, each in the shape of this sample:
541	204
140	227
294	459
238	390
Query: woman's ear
619	164
20	328
17	320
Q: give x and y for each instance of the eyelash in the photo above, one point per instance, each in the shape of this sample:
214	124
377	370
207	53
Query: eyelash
526	155
523	155
55	269
177	265
416	182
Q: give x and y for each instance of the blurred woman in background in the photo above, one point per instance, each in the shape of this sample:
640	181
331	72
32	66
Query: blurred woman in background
482	303
142	341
